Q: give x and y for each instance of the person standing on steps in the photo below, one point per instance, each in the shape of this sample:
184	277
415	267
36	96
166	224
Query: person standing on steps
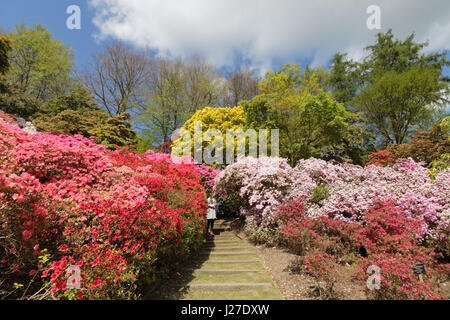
211	215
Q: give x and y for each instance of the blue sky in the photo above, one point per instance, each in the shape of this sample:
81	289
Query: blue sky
263	33
52	14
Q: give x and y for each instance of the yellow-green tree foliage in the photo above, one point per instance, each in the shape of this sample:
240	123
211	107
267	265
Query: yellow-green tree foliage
5	47
222	119
445	126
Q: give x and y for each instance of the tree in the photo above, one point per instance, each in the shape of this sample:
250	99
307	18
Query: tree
72	113
310	122
201	83
425	145
401	89
175	89
5	48
39	65
221	119
116	78
116	132
14	101
77	113
344	78
317	79
241	85
397	102
390	54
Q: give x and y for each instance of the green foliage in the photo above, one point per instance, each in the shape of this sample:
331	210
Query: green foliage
396	102
39	65
426	146
389	54
229	205
72	113
310	122
73	122
439	165
14	101
344	78
116	132
397	87
78	99
445	127
77	113
5	48
144	143
322	124
320	193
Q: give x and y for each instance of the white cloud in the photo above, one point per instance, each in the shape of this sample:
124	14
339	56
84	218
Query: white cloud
267	32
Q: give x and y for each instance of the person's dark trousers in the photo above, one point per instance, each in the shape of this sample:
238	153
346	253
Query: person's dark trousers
210	223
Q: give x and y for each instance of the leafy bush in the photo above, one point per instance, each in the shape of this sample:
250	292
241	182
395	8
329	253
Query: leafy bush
320	193
389	239
425	146
221	119
381	158
437	166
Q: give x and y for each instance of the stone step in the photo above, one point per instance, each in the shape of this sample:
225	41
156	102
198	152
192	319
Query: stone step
232	261
226	254
225	248
226	245
227	238
224	266
221	229
225	272
229	286
223	240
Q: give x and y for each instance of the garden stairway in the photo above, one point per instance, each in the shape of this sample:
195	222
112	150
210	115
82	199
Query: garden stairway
228	268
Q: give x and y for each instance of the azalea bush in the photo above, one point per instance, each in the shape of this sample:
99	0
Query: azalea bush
381	158
260	184
121	218
339	191
333	214
388	240
391	242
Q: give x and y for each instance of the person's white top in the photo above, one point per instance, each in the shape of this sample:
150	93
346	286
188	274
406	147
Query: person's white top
211	214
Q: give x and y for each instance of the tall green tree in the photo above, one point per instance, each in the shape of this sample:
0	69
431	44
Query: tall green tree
311	123
344	78
402	88
39	65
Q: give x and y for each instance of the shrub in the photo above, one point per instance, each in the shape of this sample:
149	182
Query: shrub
122	218
426	146
263	184
390	238
381	158
440	165
320	193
